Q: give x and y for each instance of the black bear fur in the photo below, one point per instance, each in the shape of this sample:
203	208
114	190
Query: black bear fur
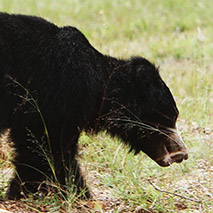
54	84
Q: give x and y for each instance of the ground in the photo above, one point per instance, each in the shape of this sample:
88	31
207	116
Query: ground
193	187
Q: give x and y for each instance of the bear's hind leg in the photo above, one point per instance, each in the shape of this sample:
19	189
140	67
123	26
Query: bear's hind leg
30	165
25	182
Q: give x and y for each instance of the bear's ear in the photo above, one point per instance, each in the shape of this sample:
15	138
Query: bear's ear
137	70
142	69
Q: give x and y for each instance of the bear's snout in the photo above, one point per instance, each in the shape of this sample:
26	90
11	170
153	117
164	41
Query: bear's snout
174	150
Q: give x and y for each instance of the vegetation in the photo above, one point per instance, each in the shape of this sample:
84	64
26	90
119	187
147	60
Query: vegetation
177	36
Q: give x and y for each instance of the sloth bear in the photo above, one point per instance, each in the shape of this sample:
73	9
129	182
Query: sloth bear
54	85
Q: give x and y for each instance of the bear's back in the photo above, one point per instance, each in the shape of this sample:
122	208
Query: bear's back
21	23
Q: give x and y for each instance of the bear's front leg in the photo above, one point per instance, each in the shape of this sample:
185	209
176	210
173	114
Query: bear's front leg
68	170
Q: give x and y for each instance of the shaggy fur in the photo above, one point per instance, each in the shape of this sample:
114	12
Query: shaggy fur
54	84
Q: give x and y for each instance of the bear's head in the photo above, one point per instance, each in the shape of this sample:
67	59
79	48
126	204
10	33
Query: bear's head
140	109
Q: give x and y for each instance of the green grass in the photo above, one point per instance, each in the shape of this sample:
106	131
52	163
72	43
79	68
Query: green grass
177	36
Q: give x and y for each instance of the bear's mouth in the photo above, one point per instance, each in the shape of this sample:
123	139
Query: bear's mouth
171	157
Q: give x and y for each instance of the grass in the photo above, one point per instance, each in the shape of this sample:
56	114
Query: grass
177	36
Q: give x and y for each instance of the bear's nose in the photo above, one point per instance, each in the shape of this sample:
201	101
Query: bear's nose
179	156
186	156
